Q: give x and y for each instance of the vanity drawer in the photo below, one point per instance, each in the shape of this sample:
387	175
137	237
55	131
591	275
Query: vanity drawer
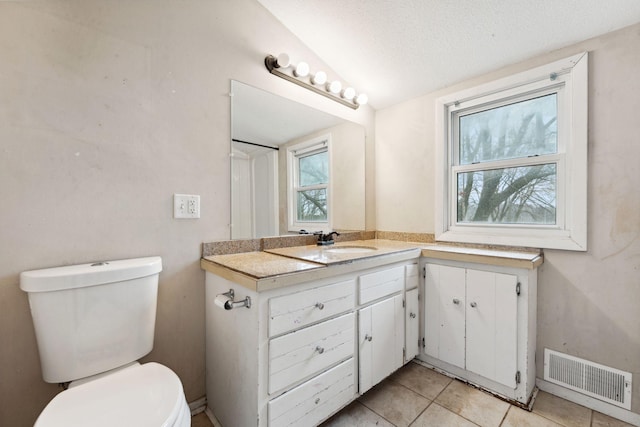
294	311
411	279
307	351
316	399
381	283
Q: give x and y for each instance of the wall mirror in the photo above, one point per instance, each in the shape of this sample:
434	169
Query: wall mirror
263	127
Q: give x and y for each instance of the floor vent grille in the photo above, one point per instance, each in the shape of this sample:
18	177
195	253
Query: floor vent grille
601	382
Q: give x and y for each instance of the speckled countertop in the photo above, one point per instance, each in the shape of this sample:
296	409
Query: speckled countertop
262	264
528	259
284	266
274	268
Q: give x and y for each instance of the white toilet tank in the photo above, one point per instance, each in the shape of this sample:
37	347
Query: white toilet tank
92	318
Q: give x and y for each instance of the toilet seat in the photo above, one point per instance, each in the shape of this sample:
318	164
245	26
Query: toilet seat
144	395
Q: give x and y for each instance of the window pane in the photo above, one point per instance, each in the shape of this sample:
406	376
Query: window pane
314	169
312	205
521	195
522	129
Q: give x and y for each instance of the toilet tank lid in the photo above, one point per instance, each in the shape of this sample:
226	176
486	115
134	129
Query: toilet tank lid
84	275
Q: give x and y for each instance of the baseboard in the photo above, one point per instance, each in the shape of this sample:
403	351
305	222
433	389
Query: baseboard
212	418
198	406
589	402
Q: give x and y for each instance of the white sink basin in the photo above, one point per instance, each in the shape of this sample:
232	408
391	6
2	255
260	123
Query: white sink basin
350	249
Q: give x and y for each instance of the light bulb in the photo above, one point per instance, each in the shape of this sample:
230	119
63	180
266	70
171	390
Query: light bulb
348	93
362	99
283	61
319	78
302	70
334	87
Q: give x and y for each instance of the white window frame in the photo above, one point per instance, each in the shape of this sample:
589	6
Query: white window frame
567	77
293	153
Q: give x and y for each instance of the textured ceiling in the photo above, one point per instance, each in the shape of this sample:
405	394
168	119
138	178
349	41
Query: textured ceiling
395	50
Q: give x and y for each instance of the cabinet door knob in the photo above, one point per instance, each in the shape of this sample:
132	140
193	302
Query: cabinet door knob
473	304
412	315
368	338
456	301
317	400
320	350
319	305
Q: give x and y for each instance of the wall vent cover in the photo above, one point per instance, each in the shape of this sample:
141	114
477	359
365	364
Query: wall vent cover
598	381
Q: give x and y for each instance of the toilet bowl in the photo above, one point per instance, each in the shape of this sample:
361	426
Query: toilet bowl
92	323
148	395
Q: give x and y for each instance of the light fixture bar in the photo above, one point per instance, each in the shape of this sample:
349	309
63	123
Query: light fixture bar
271	62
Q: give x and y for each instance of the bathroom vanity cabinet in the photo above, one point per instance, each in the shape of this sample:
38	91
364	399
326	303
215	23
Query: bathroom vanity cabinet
480	322
303	351
380	325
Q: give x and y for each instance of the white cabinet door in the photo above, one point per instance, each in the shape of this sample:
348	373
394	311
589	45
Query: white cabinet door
381	340
445	313
491	312
411	325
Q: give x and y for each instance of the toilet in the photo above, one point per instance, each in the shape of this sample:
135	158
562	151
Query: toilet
92	323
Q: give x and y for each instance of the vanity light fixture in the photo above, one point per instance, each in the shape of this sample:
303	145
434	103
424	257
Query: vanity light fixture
334	87
362	99
319	78
301	75
282	61
302	70
348	93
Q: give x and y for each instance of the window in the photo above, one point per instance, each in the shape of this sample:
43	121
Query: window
309	185
512	160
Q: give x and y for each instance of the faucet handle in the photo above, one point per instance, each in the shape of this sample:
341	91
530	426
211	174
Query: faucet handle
328	237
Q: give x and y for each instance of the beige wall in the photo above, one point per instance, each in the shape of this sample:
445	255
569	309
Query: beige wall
108	108
587	302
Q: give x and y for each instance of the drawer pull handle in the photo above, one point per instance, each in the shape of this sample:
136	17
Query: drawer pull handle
456	301
412	315
320	350
319	305
368	338
473	304
317	400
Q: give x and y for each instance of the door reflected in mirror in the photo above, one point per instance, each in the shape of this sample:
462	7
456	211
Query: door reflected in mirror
269	194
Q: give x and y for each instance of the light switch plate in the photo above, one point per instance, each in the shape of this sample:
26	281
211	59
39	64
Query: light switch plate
186	206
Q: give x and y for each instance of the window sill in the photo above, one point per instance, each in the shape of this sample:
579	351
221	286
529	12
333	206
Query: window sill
559	239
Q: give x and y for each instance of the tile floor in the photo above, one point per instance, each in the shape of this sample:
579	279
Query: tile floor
419	397
201	420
